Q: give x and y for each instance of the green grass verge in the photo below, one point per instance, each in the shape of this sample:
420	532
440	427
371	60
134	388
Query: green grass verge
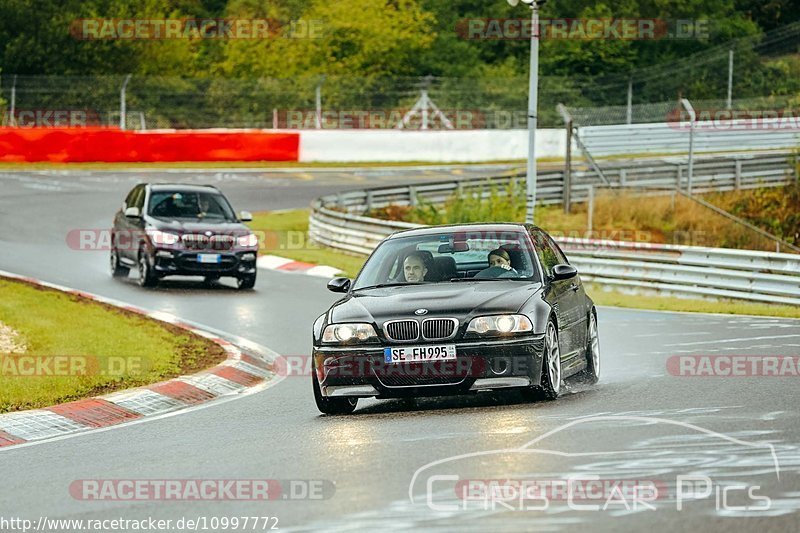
113	349
296	221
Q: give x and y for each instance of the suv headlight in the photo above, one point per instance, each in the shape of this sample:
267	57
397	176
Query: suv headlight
247	241
348	334
495	325
162	238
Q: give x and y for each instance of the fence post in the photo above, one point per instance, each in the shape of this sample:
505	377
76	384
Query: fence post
730	79
630	101
693	118
738	175
12	119
679	177
123	103
568	170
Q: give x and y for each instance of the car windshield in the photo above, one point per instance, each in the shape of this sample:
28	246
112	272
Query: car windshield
447	257
193	205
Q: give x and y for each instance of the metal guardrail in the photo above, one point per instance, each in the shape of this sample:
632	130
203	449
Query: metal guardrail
673	137
711	173
336	221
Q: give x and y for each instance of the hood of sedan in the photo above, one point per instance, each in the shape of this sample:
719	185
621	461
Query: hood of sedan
462	300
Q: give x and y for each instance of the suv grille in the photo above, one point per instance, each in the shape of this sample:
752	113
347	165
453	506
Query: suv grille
402	330
438	328
194	241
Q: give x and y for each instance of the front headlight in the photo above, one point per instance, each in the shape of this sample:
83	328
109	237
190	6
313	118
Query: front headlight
499	325
247	241
162	238
349	333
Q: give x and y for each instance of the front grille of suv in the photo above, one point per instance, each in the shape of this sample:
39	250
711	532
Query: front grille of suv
196	241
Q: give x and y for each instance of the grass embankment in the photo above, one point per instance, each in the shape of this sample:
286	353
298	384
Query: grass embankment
76	348
296	221
285	234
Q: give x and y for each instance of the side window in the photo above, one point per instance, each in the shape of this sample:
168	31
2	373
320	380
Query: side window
131	197
547	251
138	200
562	259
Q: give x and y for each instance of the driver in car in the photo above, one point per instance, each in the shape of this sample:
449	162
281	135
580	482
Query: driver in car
414	268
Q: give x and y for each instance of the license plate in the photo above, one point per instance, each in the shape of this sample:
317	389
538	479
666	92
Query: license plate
209	258
411	354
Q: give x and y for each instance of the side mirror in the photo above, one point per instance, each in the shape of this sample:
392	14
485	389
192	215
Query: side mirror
246	216
564	272
132	212
339	285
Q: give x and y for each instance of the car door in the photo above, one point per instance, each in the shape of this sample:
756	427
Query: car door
561	293
575	300
127	237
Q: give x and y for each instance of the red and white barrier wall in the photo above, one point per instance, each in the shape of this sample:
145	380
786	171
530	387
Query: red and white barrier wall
66	145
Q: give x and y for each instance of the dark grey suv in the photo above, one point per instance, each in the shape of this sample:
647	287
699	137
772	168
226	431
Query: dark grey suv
187	230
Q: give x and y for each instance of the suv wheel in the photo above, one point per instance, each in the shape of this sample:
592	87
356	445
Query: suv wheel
147	277
117	270
246	282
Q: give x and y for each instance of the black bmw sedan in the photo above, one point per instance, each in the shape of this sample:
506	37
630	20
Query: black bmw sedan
456	310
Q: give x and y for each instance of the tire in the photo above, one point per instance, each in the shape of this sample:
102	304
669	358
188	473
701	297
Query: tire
331	406
591	374
549	387
147	277
245	283
117	270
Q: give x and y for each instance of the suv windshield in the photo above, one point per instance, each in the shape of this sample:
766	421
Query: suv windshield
449	257
194	205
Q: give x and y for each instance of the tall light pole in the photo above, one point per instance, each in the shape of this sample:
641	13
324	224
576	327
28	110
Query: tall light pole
533	104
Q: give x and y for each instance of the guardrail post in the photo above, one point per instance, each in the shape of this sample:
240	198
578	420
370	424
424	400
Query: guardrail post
679	177
738	175
623	177
368	201
412	196
591	210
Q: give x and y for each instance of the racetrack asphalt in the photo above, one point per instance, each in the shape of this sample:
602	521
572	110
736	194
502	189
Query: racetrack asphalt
640	422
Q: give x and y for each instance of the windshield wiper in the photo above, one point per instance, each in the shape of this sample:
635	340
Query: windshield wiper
382	285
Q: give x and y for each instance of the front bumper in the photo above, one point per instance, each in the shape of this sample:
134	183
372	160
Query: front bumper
479	365
234	263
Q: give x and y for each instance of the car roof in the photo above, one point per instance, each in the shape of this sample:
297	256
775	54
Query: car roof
181	187
478	226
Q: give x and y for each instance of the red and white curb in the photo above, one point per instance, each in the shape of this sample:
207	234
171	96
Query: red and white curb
282	264
240	373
